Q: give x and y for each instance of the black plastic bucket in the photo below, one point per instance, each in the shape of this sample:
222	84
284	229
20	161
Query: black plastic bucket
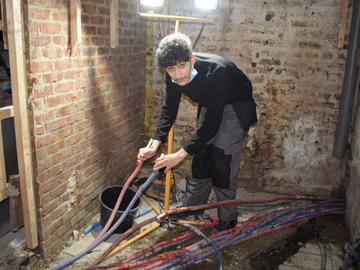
108	198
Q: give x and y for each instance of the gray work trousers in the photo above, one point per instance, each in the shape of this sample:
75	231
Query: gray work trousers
227	138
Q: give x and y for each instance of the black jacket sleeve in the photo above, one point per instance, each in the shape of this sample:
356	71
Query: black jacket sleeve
216	83
168	112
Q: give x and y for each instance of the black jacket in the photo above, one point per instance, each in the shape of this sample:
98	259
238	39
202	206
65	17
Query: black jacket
218	82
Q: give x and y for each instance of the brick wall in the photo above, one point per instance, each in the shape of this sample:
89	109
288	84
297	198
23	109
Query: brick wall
87	109
288	50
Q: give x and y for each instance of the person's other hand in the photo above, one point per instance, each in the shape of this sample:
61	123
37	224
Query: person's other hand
169	161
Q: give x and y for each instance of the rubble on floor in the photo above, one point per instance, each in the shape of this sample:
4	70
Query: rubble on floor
315	255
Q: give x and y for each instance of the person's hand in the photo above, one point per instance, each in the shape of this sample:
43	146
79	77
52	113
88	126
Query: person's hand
145	153
169	161
148	151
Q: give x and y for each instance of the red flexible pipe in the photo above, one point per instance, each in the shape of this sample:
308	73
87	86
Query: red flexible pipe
118	240
230	202
167	242
119	200
200	207
255	235
233	231
258	234
126	265
165	258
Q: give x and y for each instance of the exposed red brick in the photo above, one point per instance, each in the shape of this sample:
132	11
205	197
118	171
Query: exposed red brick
55	101
40	14
55	147
50	28
36	67
61	16
52	52
66	110
63	87
72	74
44	140
53	77
79	116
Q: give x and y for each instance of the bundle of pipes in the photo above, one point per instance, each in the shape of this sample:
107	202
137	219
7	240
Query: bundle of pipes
259	225
255	227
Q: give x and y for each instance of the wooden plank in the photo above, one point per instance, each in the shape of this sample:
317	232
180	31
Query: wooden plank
343	23
4	25
114	23
16	213
75	12
3	184
175	17
22	129
6	112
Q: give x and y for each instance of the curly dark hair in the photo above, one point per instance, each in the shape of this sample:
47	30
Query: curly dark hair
173	49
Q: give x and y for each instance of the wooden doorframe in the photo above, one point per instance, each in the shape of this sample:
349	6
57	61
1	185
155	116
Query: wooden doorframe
15	31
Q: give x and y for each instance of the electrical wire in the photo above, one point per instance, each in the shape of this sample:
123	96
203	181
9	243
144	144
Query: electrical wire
198	36
201	234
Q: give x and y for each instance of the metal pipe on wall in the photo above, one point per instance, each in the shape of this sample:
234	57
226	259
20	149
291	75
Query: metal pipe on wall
349	85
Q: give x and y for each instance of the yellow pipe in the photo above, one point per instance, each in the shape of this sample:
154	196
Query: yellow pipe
169	172
149	202
170	150
193	222
129	242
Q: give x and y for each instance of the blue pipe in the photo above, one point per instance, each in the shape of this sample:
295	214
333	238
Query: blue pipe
246	233
113	228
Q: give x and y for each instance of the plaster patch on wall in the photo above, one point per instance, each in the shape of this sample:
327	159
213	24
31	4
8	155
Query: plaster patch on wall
299	146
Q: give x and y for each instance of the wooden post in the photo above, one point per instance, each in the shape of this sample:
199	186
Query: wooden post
22	130
343	23
114	23
75	11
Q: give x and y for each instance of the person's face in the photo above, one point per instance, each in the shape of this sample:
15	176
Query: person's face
181	72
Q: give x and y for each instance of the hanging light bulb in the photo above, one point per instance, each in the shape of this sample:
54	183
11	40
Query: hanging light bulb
151	6
206	4
152	3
